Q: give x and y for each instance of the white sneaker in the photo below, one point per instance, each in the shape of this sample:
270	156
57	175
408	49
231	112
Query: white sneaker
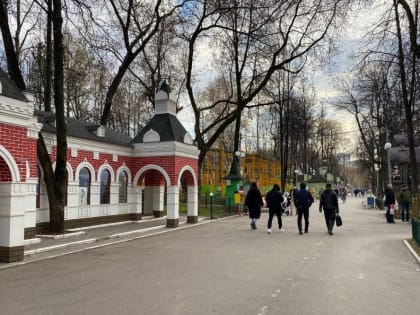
269	231
281	230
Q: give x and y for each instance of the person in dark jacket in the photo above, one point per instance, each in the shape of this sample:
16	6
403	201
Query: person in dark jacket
404	201
329	202
274	200
254	202
303	201
389	203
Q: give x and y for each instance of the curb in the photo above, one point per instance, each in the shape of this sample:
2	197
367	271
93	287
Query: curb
412	251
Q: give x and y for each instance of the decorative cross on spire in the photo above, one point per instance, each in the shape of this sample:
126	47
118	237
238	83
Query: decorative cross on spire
165	87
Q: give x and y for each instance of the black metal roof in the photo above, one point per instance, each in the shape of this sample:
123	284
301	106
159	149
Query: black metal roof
166	125
9	88
317	178
83	129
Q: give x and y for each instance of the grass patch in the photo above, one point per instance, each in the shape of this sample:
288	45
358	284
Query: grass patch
218	210
414	246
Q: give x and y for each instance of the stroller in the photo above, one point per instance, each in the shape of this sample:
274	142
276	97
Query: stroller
287	210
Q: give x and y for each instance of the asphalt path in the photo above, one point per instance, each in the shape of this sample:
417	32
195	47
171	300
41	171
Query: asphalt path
224	267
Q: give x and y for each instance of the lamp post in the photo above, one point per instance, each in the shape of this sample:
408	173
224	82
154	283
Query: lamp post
377	178
211	205
387	147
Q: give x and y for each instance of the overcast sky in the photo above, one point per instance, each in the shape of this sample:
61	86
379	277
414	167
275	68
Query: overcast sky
349	43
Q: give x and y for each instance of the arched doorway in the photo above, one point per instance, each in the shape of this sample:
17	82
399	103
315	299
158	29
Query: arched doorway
187	181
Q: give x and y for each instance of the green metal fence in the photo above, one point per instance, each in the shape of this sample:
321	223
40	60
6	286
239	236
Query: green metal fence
415	218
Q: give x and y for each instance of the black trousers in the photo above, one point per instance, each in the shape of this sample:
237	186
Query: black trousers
329	215
305	213
271	215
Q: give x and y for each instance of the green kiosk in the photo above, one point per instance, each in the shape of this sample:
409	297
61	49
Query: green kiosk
233	185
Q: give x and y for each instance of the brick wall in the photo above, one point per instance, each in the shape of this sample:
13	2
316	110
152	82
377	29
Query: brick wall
5	175
23	149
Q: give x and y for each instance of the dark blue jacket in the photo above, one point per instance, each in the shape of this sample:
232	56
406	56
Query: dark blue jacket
303	199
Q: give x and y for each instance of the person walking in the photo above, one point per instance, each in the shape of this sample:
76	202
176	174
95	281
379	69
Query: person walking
274	200
389	203
293	192
329	202
303	201
404	201
254	202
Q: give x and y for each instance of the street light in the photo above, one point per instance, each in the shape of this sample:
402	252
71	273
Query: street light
387	147
211	205
377	178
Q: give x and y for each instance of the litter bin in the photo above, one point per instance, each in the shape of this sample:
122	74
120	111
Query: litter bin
370	202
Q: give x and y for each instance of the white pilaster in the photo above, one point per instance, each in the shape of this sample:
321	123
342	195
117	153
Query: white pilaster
192	201
148	200
173	202
139	199
12	214
158	197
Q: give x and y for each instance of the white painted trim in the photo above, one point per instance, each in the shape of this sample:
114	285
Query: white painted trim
187	168
11	163
68	168
123	168
151	136
15	112
168	148
151	167
92	146
89	167
108	167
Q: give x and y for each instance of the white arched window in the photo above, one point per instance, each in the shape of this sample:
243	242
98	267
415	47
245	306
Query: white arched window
105	192
123	180
84	186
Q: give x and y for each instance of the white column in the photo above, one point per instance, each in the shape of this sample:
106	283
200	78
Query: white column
158	193
12	221
192	204
173	206
30	203
148	200
138	204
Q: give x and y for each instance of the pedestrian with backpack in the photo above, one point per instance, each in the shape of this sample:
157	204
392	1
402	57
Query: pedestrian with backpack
303	200
329	202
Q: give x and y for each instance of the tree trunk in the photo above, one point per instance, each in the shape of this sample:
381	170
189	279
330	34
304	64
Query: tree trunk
57	212
48	60
12	59
49	178
407	101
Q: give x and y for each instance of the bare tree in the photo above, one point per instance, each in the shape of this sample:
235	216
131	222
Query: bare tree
12	52
138	22
257	39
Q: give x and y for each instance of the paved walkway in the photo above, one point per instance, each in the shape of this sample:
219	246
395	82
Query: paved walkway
226	268
81	239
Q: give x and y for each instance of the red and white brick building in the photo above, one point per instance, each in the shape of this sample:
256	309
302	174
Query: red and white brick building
110	177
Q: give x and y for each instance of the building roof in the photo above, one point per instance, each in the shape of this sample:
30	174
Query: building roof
9	88
317	178
166	125
83	129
